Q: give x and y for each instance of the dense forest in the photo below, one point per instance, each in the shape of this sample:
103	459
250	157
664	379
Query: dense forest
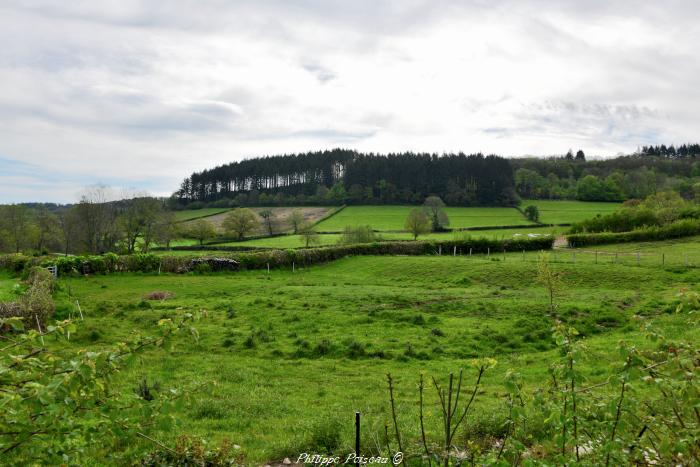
343	176
349	177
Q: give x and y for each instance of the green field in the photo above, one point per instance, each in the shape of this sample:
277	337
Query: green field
294	355
394	217
566	212
296	241
7	285
190	214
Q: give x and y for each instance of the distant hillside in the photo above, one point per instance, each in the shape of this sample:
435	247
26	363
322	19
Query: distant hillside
341	176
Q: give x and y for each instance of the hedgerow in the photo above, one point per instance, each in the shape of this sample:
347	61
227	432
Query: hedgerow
108	263
681	228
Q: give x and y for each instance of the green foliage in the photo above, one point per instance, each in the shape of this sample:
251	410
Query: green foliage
678	229
417	223
358	234
240	222
532	213
60	408
201	230
190	451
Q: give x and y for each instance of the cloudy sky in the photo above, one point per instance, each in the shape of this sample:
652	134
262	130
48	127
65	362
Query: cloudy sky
139	94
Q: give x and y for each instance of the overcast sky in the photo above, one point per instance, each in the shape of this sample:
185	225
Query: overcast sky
139	94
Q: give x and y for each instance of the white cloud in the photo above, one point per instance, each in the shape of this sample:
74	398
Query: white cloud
140	94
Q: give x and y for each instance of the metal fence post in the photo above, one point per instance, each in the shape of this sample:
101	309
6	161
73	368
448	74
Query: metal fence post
357	438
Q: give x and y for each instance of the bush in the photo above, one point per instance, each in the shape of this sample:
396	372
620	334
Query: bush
36	304
194	451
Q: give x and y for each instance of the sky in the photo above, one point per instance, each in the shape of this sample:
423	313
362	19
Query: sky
139	94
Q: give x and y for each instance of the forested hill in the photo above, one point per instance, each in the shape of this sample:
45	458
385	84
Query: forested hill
394	178
343	176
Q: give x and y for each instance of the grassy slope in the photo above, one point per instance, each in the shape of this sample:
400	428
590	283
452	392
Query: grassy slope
198	213
275	404
393	217
294	241
566	212
7	284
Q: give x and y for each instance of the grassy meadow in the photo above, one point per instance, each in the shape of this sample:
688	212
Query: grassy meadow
292	356
394	217
7	285
296	241
190	214
567	212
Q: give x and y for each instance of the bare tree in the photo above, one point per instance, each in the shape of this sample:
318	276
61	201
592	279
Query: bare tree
268	220
308	235
296	219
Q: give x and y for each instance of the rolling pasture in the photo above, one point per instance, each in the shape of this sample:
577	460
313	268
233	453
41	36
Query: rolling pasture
291	356
567	212
7	285
280	216
296	241
191	214
392	218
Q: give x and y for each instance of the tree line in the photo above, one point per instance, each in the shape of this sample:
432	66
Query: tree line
94	225
341	176
634	176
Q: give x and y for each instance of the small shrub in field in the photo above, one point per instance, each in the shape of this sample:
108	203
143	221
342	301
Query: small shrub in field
356	349
437	332
194	451
227	343
323	348
325	436
249	342
158	295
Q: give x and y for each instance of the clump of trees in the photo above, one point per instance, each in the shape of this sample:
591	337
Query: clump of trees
658	209
239	222
94	225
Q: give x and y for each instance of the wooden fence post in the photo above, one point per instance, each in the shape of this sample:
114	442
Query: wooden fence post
596	257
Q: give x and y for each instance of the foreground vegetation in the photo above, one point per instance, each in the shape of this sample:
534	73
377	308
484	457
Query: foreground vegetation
335	331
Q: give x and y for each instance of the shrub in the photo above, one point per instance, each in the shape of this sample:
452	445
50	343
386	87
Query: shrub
158	295
194	451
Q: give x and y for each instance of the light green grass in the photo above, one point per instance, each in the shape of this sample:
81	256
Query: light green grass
296	241
394	217
7	286
567	212
190	214
276	397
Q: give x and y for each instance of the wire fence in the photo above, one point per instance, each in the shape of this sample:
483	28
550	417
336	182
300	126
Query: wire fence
601	257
